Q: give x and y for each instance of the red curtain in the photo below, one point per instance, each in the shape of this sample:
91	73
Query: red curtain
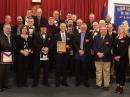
82	8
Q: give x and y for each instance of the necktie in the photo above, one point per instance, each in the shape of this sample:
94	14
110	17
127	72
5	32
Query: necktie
39	21
9	40
63	37
82	40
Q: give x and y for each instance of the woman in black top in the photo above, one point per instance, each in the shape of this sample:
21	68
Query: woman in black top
120	50
23	46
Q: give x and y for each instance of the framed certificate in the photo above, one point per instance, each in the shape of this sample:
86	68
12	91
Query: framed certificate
6	58
61	47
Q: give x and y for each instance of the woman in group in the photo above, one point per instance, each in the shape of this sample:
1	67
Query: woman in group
24	48
120	50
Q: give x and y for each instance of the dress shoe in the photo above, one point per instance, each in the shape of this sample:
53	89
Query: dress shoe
1	89
86	84
65	84
77	84
106	88
34	85
7	87
121	90
57	85
97	87
117	89
46	84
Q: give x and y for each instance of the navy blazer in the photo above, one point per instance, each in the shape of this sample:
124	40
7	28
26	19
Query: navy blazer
104	46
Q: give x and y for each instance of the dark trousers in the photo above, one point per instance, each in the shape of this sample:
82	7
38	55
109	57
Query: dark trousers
38	65
82	67
61	68
121	68
22	70
4	72
71	65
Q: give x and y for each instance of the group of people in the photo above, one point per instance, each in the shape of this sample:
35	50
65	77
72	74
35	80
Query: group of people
35	46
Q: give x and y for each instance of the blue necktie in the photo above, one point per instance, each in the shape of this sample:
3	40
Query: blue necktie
82	40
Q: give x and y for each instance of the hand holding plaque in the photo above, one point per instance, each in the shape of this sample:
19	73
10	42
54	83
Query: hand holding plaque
61	47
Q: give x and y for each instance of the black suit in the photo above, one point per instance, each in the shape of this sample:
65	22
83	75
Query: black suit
22	61
61	60
38	44
40	22
5	68
82	62
57	25
89	25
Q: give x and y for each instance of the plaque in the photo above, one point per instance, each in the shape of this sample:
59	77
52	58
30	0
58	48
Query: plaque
61	47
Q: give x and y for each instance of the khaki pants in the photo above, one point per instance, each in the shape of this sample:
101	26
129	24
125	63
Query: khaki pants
102	68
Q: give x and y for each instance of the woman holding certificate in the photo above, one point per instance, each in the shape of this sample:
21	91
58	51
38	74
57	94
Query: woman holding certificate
24	48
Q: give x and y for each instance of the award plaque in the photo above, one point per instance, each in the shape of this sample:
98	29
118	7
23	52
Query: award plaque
6	58
61	47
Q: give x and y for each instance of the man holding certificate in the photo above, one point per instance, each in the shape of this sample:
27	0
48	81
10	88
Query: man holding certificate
62	46
6	56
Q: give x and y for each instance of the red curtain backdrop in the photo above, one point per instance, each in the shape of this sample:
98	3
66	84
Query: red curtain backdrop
82	8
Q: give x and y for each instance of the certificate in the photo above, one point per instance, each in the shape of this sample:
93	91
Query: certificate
6	58
61	47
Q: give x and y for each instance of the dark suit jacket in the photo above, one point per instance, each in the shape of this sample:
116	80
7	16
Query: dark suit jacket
4	44
57	29
89	25
43	21
87	46
104	46
38	42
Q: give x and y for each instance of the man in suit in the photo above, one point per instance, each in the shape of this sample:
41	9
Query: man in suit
28	15
6	45
79	22
83	45
62	57
111	32
57	21
102	48
18	25
31	27
39	19
90	22
7	20
42	45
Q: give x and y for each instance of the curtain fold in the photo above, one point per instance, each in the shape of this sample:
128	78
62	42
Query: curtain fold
82	8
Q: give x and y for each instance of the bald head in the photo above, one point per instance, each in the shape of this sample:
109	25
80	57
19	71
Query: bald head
39	12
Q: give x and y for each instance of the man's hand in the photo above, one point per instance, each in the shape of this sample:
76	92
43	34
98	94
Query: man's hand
81	52
100	55
117	58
